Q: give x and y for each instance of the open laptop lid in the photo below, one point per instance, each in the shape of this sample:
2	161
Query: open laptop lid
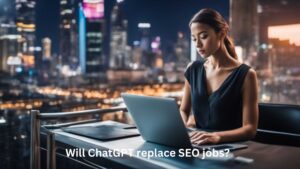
158	120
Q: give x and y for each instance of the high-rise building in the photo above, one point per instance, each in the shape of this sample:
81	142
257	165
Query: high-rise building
7	11
46	42
119	54
157	53
245	34
137	55
193	50
68	43
95	62
182	51
9	37
9	48
25	22
82	39
144	28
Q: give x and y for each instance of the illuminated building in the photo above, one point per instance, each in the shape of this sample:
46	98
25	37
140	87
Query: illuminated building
157	60
47	65
193	50
68	43
119	53
10	38
136	55
182	51
92	24
82	39
46	48
25	22
9	48
155	45
278	35
244	29
7	11
144	28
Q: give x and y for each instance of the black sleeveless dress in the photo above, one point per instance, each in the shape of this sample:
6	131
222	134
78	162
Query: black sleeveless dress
222	110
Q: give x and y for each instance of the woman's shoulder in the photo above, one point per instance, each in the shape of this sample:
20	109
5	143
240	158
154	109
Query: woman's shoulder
251	74
250	77
195	64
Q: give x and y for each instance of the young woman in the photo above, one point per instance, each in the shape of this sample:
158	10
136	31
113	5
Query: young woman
221	92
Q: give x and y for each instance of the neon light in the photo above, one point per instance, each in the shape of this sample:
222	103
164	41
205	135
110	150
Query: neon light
82	41
93	9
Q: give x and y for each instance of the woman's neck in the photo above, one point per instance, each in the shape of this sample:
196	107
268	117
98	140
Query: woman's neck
221	58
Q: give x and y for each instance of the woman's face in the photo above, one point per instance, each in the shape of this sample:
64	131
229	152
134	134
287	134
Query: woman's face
206	39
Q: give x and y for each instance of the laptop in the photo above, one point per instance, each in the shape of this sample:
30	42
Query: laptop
158	121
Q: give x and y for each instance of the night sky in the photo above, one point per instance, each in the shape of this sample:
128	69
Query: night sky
167	17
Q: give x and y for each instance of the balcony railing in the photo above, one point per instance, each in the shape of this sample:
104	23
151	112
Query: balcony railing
37	117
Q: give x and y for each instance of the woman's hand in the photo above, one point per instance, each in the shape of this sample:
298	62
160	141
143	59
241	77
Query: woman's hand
201	137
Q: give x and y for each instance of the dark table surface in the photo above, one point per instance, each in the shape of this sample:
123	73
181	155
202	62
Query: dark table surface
265	156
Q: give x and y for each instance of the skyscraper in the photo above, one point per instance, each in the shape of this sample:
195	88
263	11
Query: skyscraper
182	51
9	47
9	37
245	34
46	48
82	39
7	11
25	22
94	27
144	28
68	43
119	55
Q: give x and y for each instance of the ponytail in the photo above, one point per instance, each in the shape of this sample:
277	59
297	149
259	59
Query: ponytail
230	46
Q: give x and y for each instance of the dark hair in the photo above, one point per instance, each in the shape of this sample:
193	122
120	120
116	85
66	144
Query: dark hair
215	20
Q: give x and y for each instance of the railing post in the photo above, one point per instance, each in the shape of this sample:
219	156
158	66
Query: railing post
51	151
36	118
35	140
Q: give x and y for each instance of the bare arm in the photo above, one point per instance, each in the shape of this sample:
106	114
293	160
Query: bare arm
250	111
185	107
250	117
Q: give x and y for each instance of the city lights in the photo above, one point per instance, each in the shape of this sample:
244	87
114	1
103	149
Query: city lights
93	8
73	55
144	25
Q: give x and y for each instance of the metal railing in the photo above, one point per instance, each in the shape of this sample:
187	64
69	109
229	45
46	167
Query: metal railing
37	117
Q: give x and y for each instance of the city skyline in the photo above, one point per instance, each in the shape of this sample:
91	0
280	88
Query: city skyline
135	11
66	56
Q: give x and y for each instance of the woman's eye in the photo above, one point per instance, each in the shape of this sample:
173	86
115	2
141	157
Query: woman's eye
203	36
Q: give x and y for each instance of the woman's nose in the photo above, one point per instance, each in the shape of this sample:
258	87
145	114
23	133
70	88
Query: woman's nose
198	44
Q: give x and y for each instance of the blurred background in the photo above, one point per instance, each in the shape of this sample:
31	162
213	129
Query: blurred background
69	55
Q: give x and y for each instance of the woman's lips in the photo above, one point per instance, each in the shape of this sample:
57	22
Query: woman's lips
201	51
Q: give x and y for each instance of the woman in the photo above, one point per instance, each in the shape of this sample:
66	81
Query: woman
221	91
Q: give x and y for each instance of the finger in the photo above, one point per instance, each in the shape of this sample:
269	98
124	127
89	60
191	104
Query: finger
203	136
200	137
192	133
195	133
195	136
204	141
